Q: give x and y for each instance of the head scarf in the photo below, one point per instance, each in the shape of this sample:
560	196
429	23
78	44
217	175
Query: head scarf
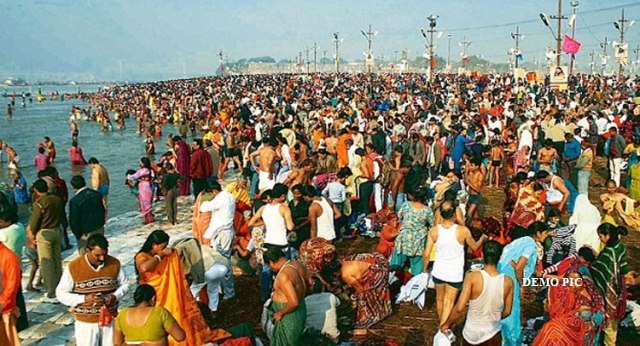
315	253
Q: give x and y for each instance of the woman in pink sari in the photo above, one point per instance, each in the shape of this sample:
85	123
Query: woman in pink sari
75	155
144	177
521	160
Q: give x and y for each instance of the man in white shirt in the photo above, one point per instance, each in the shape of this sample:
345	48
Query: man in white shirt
89	282
221	233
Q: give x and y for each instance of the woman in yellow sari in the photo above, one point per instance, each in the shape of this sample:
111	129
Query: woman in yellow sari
159	266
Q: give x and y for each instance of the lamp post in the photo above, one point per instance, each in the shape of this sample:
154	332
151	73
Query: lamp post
620	26
369	53
432	29
558	38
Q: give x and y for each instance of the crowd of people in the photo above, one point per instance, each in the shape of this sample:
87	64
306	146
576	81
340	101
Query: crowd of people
284	168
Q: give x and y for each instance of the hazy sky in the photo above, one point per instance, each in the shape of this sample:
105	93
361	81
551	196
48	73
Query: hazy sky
156	39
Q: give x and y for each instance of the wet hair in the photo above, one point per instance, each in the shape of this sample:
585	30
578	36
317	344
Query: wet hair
41	186
41	150
344	172
98	240
419	194
214	185
93	160
309	191
554	212
146	163
272	254
542	175
8	212
78	182
447	210
143	294
491	252
74	144
155	238
612	231
279	190
450	195
537	227
168	165
587	253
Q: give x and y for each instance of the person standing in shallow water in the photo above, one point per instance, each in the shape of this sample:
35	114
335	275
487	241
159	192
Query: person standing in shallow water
144	176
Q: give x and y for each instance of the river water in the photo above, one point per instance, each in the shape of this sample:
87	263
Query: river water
118	151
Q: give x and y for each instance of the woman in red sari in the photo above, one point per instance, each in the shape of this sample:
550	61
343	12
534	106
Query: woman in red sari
576	313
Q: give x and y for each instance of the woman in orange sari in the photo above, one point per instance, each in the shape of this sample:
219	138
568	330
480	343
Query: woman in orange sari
201	219
159	266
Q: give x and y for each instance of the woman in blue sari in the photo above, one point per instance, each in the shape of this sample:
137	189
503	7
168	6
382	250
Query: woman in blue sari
518	261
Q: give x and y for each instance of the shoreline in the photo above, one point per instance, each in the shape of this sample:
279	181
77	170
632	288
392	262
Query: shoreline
52	324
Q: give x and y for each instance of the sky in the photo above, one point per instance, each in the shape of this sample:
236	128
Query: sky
155	39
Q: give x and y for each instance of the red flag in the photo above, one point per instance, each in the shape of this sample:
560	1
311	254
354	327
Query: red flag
570	45
433	62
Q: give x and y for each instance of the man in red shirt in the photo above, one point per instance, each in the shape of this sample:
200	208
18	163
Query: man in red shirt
10	274
201	167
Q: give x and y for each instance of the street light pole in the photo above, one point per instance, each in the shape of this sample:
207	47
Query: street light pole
620	26
593	61
516	37
432	29
464	44
449	36
315	56
574	10
369	55
604	55
336	39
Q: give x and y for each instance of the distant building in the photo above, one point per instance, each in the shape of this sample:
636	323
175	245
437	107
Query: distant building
15	82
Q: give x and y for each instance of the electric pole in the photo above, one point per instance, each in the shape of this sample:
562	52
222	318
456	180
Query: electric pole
221	57
619	24
324	61
430	44
593	61
558	36
336	39
369	54
516	36
315	57
574	10
449	36
307	58
637	51
604	56
464	44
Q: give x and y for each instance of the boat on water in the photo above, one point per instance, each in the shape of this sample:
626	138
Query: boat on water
12	81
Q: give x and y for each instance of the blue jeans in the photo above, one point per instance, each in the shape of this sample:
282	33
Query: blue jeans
583	181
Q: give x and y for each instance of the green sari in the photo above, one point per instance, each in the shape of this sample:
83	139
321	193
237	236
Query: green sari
288	331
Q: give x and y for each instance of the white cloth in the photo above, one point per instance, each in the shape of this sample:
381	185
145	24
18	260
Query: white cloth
322	314
264	182
615	166
90	334
587	218
222	208
414	290
64	291
441	340
335	191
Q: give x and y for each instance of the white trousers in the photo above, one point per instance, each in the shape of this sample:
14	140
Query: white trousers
614	170
90	334
377	196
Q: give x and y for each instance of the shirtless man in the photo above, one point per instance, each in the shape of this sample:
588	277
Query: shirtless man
496	157
475	180
267	158
300	175
12	156
287	305
557	192
51	149
546	155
